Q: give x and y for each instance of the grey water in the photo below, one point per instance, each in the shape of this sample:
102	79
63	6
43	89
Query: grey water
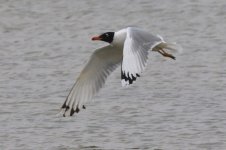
175	105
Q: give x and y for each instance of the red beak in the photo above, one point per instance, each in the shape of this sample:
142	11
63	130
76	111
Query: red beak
95	38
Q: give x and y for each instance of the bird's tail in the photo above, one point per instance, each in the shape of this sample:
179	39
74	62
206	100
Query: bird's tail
162	46
173	47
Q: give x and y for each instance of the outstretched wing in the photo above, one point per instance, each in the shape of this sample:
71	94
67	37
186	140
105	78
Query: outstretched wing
135	53
102	62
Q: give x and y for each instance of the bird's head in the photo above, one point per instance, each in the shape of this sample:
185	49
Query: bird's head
106	37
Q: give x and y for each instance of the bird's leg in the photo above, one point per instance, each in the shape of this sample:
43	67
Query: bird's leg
165	54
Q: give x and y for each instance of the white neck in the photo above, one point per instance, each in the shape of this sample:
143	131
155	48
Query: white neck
119	38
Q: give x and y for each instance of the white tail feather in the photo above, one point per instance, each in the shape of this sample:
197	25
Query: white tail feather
171	46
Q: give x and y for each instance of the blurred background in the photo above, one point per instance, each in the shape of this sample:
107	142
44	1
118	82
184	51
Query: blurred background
174	105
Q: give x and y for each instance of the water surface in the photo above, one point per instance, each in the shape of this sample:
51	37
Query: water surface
175	105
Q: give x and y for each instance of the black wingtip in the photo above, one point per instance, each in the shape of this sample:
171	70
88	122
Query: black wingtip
72	112
128	78
77	110
66	108
64	105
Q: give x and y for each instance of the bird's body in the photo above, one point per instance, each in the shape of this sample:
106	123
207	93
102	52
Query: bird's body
128	47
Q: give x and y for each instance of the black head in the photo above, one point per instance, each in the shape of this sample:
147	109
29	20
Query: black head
107	37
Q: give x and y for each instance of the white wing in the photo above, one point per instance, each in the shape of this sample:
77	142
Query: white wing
135	53
102	62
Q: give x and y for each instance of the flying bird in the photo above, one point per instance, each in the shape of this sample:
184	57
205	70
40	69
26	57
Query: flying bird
128	47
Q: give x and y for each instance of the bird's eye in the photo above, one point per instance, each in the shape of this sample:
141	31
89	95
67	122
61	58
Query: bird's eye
107	35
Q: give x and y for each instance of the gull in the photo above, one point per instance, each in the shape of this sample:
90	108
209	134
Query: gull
128	47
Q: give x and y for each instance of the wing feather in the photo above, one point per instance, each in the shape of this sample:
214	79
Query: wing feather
102	62
135	53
